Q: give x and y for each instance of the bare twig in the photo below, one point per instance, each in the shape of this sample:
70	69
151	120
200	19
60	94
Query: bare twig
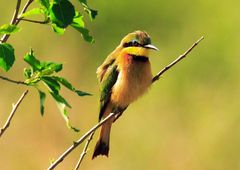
15	14
176	61
12	81
14	109
84	152
15	19
75	144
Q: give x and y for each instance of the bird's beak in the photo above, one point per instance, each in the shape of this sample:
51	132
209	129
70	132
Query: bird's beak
150	46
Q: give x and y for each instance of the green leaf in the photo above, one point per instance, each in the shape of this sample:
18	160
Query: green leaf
32	61
44	3
57	29
78	24
9	29
7	56
60	99
28	72
63	110
91	12
50	67
45	68
62	13
73	128
82	93
68	85
42	97
78	20
34	11
52	84
44	6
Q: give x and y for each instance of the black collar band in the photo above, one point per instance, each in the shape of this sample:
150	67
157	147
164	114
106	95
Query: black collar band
139	58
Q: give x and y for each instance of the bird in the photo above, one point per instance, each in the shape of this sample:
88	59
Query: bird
124	76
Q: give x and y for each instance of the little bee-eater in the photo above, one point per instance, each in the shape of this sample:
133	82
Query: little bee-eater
124	76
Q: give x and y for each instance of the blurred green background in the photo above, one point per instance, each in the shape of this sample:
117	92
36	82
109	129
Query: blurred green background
190	118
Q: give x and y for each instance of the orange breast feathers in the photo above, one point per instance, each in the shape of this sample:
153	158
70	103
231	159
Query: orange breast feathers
134	79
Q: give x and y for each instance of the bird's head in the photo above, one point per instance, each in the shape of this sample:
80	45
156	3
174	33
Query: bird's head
137	43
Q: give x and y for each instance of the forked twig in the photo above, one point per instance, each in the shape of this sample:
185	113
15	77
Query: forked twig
15	19
84	152
34	21
75	144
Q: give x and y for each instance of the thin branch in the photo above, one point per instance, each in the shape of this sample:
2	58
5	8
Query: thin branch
84	152
15	19
75	144
12	81
24	9
34	21
14	109
15	14
155	78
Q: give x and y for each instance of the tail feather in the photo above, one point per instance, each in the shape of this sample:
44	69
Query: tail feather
102	146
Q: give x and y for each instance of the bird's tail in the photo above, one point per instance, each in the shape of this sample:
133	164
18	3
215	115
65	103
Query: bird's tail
102	146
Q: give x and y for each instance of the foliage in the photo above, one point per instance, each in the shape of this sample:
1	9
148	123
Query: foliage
44	71
9	29
59	14
7	56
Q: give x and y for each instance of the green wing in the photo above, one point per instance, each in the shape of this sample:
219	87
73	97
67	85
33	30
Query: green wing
108	80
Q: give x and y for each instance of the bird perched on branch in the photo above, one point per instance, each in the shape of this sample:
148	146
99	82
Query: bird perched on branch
124	76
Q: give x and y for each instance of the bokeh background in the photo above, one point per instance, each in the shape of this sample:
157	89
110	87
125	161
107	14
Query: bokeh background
190	118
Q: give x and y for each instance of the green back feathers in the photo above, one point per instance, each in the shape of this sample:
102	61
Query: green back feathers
108	80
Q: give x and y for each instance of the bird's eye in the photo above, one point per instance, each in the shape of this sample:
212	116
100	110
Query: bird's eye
135	43
132	43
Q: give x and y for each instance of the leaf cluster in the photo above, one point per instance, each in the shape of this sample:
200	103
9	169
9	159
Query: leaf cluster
59	14
45	72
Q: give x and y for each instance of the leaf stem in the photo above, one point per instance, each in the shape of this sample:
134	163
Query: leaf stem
13	81
34	21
